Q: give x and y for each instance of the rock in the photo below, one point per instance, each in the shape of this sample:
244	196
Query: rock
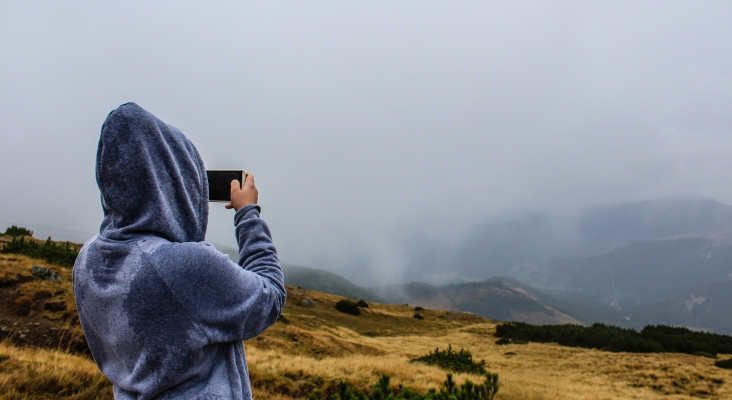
22	336
307	302
37	323
45	273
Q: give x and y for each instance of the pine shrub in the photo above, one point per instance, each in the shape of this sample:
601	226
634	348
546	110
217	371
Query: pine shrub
15	230
383	390
348	307
456	361
362	304
651	339
59	254
418	316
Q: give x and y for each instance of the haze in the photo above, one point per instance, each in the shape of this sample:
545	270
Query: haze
377	131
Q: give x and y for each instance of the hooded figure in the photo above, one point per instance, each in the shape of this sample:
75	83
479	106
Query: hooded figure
165	313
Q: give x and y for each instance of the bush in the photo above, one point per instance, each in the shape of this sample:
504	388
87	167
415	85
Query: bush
18	231
23	305
348	307
418	308
460	361
383	390
362	304
59	254
651	339
418	316
283	319
724	363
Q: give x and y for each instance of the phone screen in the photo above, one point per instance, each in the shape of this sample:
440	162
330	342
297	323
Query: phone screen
219	184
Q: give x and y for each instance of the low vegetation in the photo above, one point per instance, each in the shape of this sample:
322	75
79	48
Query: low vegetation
34	373
15	231
449	391
651	339
49	251
348	307
456	361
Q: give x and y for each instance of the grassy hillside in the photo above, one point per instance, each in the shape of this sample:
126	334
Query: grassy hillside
318	346
314	346
498	298
327	282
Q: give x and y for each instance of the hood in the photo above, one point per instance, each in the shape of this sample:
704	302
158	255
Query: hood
151	178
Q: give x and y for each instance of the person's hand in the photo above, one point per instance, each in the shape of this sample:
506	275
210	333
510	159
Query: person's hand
244	195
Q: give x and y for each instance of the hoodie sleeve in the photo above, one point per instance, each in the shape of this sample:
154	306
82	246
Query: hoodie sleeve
230	302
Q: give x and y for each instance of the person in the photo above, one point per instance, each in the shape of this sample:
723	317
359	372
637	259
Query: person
165	313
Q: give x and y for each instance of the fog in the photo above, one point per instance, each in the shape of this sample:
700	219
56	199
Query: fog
380	134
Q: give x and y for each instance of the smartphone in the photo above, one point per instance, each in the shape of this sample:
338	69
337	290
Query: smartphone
219	183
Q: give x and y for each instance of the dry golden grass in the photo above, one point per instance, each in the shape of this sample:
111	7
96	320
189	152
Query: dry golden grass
58	327
35	373
320	346
289	356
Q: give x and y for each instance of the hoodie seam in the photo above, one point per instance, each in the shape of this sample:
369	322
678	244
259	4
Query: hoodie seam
208	339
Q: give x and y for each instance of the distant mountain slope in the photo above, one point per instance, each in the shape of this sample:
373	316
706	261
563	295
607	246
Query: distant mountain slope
316	279
326	282
645	273
499	298
514	245
606	227
706	307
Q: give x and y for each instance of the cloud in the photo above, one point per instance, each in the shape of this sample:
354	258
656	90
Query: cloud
365	123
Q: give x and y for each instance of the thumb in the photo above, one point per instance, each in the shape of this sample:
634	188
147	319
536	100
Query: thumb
235	185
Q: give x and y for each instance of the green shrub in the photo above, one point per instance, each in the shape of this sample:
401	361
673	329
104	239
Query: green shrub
651	339
418	308
15	230
503	341
456	361
418	316
362	304
348	307
724	363
59	254
283	319
703	354
450	390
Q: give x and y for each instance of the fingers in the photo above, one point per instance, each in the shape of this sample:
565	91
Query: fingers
249	180
229	206
235	184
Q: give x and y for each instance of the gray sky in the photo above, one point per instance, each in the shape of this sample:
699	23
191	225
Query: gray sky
369	122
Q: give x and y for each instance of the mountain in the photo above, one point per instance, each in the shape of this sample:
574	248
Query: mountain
515	246
326	282
706	307
315	279
498	298
644	273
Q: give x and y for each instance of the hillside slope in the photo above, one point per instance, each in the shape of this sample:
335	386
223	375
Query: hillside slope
497	298
327	282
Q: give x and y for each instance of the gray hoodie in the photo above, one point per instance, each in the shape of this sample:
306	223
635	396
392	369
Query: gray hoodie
164	312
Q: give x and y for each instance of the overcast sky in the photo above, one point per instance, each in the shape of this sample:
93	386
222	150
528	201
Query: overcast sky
369	122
